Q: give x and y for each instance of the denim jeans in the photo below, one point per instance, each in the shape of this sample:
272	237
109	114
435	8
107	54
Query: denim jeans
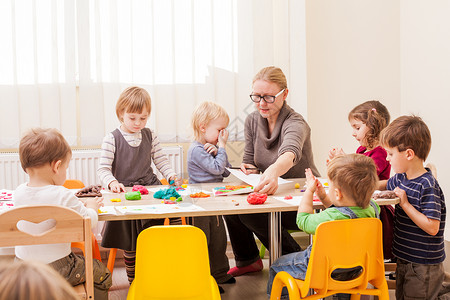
295	264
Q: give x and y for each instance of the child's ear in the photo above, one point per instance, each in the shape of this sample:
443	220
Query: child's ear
202	127
337	194
55	165
409	154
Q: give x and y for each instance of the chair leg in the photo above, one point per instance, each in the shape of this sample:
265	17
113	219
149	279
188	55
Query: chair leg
111	259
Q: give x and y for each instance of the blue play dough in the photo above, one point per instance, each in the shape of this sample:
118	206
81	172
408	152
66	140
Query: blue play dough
166	193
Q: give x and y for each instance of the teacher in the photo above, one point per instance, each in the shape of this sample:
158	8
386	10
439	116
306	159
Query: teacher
277	143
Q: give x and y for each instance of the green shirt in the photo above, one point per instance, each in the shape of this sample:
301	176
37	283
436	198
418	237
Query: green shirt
309	222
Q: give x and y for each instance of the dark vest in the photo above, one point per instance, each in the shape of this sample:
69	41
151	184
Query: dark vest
132	165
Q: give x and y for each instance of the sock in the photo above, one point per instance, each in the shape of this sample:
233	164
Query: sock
129	257
254	267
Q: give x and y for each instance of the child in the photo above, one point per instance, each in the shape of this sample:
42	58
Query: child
368	120
45	156
420	215
352	179
32	280
207	163
127	154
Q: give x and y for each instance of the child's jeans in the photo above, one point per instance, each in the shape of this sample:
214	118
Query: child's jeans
295	264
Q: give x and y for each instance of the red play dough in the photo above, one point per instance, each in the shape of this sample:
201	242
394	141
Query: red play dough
256	198
141	189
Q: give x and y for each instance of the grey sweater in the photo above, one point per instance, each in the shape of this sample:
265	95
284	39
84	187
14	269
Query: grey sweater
291	134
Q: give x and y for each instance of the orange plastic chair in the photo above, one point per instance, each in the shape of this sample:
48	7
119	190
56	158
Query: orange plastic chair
162	273
340	244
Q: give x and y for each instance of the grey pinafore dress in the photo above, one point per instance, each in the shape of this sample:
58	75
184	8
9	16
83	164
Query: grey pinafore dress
131	166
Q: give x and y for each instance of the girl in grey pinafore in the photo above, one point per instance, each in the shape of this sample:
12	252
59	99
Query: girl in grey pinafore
131	166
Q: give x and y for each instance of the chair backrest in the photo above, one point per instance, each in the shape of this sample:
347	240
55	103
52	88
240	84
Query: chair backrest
172	262
346	244
52	224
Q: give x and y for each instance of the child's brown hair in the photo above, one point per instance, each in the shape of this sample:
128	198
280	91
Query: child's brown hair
408	132
41	146
374	115
355	175
204	113
133	100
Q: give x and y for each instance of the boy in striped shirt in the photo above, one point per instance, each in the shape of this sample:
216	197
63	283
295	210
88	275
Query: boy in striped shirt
420	215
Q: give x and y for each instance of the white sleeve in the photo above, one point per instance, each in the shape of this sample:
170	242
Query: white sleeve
104	171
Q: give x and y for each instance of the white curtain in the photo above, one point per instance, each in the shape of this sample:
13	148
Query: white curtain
64	63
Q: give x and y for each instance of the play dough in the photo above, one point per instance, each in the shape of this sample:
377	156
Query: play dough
133	195
256	198
90	191
166	193
141	189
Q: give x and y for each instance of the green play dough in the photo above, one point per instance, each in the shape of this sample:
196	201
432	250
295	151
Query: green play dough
133	195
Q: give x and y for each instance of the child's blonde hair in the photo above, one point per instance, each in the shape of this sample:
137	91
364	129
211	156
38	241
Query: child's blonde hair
408	132
355	175
375	116
30	280
133	100
41	146
204	113
272	74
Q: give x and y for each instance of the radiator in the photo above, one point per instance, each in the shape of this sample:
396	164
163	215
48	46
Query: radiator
83	166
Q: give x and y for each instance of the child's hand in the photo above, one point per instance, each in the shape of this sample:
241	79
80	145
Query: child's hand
210	148
175	180
223	138
116	187
333	153
94	203
402	195
311	181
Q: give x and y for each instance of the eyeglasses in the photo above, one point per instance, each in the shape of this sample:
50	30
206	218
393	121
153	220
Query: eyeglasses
267	98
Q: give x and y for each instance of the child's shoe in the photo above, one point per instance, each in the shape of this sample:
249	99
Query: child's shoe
254	267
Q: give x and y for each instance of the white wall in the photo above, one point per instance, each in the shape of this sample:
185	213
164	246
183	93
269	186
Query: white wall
425	76
353	55
395	51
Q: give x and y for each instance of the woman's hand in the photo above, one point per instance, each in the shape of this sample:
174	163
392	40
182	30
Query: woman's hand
249	169
268	184
210	148
116	187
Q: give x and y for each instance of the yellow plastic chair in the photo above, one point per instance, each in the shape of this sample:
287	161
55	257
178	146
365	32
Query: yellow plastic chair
172	262
340	244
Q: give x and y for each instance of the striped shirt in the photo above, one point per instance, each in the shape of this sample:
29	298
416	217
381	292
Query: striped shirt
104	170
411	243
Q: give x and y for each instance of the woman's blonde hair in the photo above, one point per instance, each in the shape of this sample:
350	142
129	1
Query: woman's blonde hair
204	113
30	280
133	100
272	74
